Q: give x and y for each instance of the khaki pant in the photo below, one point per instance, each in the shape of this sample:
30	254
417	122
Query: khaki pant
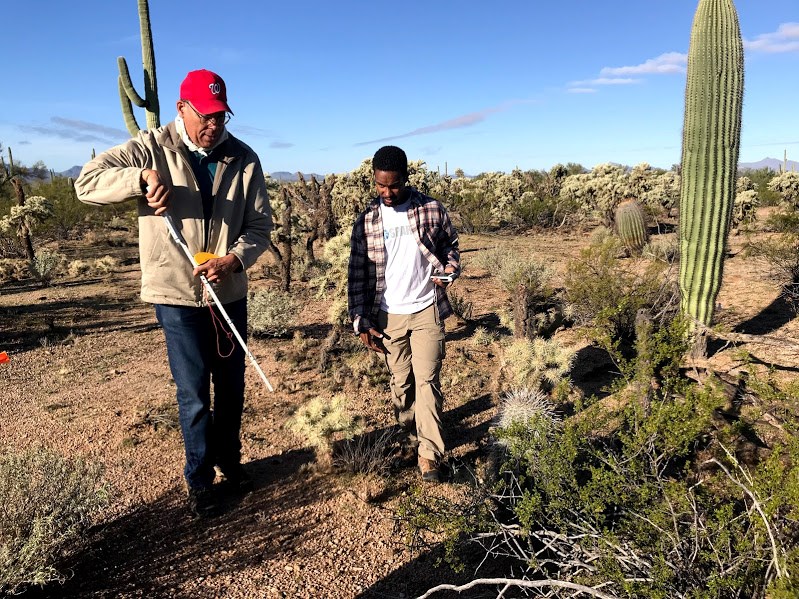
415	345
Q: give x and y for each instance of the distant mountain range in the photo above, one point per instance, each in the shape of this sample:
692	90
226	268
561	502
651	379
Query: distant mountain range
291	177
71	172
774	164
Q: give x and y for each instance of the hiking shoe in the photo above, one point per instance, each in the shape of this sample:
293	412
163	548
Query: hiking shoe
429	470
237	478
201	502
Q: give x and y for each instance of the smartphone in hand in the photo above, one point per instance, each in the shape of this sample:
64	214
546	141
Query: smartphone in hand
443	277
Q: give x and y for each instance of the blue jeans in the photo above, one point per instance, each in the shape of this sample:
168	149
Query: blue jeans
210	435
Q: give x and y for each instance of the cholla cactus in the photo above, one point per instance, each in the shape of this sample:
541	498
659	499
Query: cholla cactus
351	194
601	190
787	185
35	211
744	208
537	363
319	420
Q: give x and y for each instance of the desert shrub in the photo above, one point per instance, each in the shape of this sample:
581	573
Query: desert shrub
272	312
46	501
368	367
636	499
471	212
46	265
664	249
783	221
537	363
606	292
321	420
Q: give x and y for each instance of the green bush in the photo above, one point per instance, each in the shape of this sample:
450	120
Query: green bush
272	312
641	496
606	292
46	501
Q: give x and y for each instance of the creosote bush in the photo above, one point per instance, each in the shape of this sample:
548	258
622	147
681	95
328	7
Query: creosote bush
636	499
607	292
46	501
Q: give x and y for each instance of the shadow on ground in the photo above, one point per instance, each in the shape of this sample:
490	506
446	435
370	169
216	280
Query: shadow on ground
24	326
147	551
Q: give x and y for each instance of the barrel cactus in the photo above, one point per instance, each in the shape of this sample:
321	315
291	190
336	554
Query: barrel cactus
710	145
630	223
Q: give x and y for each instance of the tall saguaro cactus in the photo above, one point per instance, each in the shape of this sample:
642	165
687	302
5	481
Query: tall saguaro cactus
127	94
710	144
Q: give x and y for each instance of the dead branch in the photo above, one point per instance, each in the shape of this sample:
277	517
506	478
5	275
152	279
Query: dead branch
509	582
746	338
775	553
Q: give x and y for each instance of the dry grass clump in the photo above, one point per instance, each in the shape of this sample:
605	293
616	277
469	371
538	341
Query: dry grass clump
365	454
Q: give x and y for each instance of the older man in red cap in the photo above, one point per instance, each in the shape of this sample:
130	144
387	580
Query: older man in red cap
213	186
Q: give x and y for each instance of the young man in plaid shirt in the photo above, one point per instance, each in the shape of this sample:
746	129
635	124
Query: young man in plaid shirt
397	305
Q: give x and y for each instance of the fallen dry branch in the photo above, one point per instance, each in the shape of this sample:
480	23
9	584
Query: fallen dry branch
527	584
746	338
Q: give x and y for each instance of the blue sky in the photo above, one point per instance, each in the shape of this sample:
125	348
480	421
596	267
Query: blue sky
319	86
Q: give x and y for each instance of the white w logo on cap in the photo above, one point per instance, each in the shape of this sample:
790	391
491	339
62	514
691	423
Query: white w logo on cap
215	88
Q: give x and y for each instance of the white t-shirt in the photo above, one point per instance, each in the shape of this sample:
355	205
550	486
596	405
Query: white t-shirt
408	285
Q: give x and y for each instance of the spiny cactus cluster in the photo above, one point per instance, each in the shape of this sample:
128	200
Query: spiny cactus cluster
710	145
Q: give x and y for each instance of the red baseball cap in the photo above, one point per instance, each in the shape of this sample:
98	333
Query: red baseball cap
206	91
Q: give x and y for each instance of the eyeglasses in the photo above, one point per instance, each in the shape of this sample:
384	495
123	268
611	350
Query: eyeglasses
219	118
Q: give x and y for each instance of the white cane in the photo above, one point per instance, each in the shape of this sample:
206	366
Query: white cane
179	240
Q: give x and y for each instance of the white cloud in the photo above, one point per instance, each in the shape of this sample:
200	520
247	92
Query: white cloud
466	120
785	39
665	64
582	90
603	81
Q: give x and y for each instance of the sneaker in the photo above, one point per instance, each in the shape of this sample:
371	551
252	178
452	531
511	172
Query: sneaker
201	502
429	470
237	478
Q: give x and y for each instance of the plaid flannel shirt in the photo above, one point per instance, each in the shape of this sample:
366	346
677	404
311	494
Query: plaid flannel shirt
437	240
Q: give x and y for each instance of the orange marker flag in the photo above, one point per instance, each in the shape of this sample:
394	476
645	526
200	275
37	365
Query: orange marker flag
4	357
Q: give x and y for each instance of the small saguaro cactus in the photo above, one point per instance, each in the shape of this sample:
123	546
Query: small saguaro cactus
127	93
630	222
710	145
